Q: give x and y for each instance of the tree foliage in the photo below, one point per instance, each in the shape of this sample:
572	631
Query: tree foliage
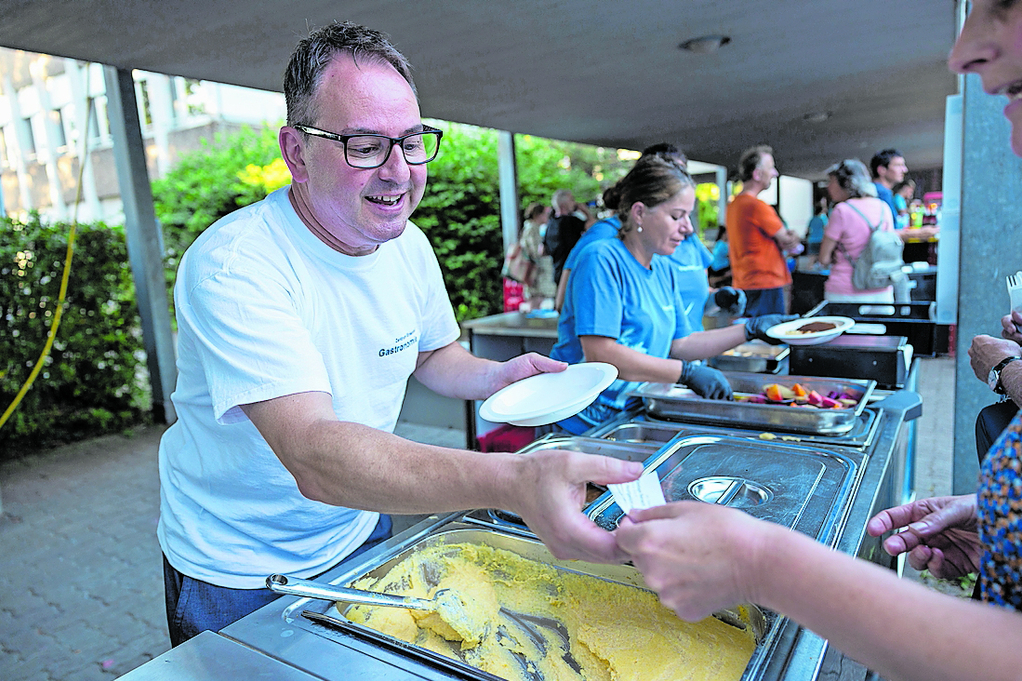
460	212
233	170
93	381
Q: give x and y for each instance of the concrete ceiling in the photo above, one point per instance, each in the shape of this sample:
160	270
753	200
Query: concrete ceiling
601	72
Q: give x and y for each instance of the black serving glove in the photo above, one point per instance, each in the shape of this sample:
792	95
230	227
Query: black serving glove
730	300
705	381
756	327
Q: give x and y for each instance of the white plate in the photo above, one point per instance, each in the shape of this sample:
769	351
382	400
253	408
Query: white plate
548	398
786	331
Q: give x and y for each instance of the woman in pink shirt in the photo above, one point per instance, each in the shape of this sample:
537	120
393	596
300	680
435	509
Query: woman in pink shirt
856	212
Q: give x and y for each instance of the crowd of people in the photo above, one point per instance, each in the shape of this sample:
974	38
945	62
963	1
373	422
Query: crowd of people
302	317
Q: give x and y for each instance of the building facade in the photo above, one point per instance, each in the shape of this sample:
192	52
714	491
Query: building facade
46	127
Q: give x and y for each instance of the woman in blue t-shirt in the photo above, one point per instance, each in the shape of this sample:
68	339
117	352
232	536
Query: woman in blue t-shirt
625	304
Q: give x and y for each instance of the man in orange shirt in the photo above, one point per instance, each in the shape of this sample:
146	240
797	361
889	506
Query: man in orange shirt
758	237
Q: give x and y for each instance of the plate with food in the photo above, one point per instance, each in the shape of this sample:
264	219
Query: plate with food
810	330
547	398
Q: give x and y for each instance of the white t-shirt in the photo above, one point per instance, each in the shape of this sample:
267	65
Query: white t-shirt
266	309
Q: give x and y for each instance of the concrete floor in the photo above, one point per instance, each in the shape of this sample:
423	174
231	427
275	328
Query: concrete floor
81	589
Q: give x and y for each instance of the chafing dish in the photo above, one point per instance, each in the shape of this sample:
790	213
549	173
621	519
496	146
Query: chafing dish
638	427
754	356
325	620
804	488
675	402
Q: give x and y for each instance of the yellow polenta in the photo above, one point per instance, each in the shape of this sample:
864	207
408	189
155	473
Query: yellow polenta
523	617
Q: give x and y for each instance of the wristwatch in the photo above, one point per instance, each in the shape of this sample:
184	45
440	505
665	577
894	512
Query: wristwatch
994	377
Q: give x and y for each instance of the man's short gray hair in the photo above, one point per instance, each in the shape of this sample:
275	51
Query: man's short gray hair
314	54
853	177
750	160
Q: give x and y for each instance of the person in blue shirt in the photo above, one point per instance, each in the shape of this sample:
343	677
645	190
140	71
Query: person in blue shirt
818	223
888	168
691	258
623	304
607	228
719	272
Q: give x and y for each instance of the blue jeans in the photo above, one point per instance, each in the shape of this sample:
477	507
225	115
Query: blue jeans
193	606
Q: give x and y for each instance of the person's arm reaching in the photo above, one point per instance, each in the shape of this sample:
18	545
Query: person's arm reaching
787	238
827	248
633	365
348	464
985	352
940	534
702	557
453	371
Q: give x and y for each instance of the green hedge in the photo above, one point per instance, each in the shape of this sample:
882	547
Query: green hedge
94	381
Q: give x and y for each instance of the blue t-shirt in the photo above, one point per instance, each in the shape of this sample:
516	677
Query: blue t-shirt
814	234
887	196
721	259
691	258
601	229
610	294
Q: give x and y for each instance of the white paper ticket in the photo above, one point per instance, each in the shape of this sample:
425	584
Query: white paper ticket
638	494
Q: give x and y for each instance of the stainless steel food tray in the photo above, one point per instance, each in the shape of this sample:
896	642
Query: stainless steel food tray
324	619
626	451
754	356
803	488
639	427
675	402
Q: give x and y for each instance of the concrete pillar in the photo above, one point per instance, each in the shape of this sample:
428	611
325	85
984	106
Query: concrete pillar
508	187
47	146
990	249
725	191
144	242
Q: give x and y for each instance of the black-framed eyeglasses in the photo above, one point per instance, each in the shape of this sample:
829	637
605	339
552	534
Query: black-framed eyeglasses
368	151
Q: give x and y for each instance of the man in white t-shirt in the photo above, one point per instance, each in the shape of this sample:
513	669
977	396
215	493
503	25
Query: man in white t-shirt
300	319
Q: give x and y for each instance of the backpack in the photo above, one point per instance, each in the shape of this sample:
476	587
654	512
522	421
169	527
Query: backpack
518	266
880	263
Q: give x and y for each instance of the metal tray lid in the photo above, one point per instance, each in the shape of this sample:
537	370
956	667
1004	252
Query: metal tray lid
804	488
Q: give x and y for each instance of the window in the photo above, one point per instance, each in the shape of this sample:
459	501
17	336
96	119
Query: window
5	160
145	110
28	138
57	129
99	122
69	118
193	97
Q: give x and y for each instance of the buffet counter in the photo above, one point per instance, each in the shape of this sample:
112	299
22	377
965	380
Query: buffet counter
826	485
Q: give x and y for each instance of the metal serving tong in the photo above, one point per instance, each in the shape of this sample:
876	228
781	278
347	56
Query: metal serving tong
293	586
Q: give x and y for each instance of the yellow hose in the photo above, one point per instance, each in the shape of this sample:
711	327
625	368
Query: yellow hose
52	335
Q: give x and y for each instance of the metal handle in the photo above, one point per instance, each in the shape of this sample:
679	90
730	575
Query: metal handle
293	586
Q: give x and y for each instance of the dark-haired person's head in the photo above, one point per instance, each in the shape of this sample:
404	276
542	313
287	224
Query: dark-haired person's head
667	151
888	166
314	54
652	181
535	211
